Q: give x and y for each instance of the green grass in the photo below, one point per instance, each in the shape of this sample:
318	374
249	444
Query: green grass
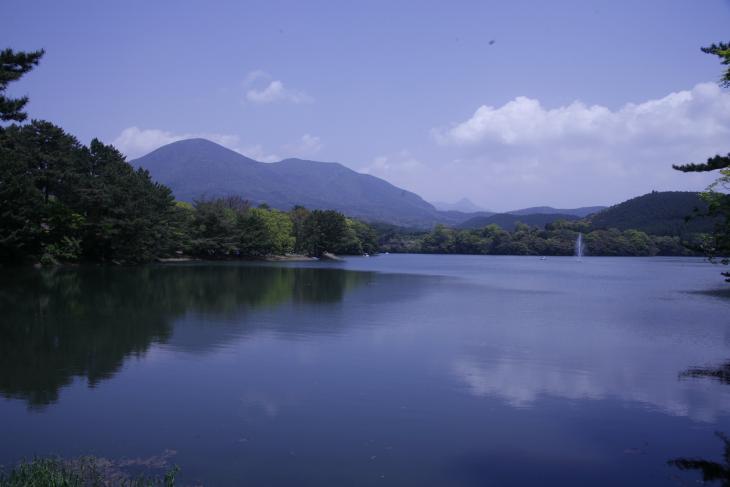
83	472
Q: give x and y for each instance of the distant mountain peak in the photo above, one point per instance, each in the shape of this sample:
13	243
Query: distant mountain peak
195	142
581	212
199	168
464	204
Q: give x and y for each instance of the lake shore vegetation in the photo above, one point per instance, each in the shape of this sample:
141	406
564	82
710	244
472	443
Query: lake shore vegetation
556	238
80	472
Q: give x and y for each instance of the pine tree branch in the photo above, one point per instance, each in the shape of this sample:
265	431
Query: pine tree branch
713	163
721	50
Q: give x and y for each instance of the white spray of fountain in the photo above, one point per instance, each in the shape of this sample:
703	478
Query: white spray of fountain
579	247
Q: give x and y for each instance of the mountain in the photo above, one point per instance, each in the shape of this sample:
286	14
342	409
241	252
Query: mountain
508	221
579	212
657	213
464	205
198	168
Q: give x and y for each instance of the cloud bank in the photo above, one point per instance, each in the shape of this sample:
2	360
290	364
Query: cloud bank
524	153
694	116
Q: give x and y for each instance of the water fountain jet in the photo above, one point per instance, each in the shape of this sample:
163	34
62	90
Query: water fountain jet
579	246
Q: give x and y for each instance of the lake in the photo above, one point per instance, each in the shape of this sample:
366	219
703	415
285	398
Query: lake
397	370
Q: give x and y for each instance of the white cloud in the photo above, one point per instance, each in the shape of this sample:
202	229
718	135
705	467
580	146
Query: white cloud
255	75
135	142
258	153
699	114
522	384
260	92
524	153
400	168
307	146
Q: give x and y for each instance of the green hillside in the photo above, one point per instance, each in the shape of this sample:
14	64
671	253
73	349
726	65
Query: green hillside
657	213
508	221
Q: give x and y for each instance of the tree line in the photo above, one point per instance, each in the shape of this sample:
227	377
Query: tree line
556	238
230	227
61	201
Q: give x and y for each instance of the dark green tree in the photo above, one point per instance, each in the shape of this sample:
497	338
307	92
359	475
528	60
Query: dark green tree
265	232
38	178
214	231
439	241
13	65
129	217
328	231
366	236
298	216
468	242
717	246
63	201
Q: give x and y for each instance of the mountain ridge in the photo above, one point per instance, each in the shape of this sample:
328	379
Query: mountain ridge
580	212
198	169
508	221
464	205
658	213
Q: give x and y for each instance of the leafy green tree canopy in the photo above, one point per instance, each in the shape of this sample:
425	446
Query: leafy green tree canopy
329	231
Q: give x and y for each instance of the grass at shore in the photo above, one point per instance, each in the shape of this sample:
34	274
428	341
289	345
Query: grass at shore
82	472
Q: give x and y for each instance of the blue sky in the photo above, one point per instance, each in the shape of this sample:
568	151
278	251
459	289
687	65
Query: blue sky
509	103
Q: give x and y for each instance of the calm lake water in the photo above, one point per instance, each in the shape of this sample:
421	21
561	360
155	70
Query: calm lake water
391	370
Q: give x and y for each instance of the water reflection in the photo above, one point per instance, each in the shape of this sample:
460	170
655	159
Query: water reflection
296	375
721	373
521	383
711	471
66	323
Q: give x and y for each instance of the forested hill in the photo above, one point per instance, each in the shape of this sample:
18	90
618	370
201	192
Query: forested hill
508	221
657	213
198	168
581	212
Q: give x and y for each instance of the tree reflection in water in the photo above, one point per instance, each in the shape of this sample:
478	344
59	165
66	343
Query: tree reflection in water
85	322
711	471
721	373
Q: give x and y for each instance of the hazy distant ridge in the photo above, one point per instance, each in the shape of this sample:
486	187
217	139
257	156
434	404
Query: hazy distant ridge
508	221
464	205
579	212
